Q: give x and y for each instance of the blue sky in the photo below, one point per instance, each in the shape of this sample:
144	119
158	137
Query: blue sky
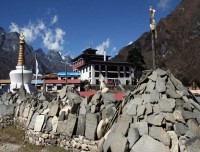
70	26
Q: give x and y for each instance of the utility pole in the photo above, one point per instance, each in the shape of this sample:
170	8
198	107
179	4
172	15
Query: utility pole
65	71
153	35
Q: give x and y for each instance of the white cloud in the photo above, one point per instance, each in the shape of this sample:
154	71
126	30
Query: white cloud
163	4
130	42
114	49
14	27
53	40
30	31
103	46
54	20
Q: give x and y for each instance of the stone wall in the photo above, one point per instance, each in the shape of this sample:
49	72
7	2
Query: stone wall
160	114
67	120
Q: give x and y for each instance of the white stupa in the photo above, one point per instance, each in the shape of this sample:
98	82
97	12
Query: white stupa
21	76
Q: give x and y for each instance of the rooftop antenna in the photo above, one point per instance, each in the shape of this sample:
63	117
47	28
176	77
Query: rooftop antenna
153	35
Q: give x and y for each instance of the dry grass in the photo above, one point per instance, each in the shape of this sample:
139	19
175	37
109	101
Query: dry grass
11	135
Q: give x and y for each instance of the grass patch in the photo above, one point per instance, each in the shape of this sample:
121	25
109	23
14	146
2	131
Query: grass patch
16	136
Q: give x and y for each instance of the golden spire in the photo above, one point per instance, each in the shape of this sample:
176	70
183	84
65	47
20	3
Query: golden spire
21	58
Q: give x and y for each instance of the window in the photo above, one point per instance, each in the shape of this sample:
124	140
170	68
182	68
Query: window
97	81
89	74
121	68
38	87
86	69
127	74
96	67
96	74
49	88
103	73
127	69
112	68
59	87
121	75
103	68
112	75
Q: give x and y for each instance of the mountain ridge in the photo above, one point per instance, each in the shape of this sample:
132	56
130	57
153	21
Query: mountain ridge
49	62
177	44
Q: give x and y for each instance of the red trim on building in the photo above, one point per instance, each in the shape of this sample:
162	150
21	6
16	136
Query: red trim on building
71	81
118	96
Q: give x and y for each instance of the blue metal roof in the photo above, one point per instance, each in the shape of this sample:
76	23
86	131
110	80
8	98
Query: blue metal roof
38	81
69	73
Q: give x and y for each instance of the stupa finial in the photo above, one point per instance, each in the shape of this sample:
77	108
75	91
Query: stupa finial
21	58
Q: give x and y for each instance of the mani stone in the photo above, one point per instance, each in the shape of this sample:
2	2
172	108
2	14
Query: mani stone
123	125
149	109
53	109
148	144
155	119
159	134
180	129
156	109
29	116
164	105
61	127
160	85
188	115
71	123
62	93
143	86
39	122
10	110
82	110
142	127
48	126
32	123
171	102
174	141
91	125
137	101
150	86
110	110
154	96
187	106
133	136
160	72
193	145
197	113
81	125
140	110
108	97
146	98
153	77
100	129
169	117
173	93
178	116
54	123
119	143
193	126
132	109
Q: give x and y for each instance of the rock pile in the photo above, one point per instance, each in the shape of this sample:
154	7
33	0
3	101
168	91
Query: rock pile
67	120
160	115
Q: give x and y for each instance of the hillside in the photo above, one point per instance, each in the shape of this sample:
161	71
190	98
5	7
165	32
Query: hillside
177	45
